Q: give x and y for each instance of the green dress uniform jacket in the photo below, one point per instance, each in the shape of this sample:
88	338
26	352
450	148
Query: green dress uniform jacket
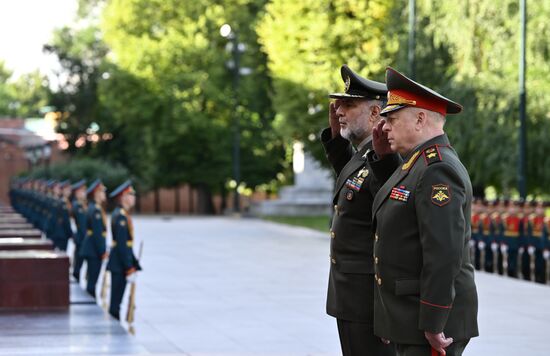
94	244
350	290
424	277
122	258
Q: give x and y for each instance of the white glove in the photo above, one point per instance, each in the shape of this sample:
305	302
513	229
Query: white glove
503	248
546	254
531	250
494	246
481	245
471	243
131	278
521	250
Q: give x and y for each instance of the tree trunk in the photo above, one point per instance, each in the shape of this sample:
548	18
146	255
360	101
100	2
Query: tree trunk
205	203
177	199
157	201
223	205
191	200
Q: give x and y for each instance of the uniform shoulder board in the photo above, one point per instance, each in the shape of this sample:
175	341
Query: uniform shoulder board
432	155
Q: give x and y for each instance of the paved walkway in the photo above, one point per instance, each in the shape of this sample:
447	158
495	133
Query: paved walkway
244	287
221	286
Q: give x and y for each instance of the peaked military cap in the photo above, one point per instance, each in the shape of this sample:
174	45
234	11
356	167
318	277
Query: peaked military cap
51	183
78	184
404	92
357	87
64	183
95	184
123	188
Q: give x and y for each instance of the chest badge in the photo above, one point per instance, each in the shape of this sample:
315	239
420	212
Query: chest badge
350	195
363	173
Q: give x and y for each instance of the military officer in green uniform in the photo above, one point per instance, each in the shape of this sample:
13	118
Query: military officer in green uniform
80	207
94	246
425	296
351	280
122	264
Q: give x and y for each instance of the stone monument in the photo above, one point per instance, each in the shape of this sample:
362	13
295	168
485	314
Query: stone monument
311	193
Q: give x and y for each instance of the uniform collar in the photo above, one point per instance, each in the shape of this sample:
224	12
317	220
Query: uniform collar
363	143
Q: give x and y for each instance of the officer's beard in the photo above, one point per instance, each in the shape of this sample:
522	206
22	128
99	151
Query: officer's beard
353	134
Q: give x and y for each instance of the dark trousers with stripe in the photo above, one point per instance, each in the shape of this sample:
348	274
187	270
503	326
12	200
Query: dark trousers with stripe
455	349
358	339
118	284
94	267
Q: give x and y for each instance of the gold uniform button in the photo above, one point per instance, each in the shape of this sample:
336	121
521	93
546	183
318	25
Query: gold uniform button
333	261
375	237
332	234
376	260
379	281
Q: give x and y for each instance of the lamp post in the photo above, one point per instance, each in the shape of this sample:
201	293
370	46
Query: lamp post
412	35
236	50
522	166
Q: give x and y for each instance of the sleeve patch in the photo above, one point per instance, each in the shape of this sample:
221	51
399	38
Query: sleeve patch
432	155
441	194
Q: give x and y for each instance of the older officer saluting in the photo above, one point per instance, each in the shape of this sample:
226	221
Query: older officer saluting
351	279
425	297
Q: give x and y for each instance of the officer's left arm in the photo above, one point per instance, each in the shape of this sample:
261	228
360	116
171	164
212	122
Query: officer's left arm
440	200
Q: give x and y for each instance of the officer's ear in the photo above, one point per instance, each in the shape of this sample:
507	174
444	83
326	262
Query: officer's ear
421	119
374	113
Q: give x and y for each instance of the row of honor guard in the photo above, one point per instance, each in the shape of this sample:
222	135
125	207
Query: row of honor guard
511	238
48	206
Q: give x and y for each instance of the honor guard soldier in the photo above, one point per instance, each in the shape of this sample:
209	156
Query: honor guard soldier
486	253
49	209
425	296
512	234
500	207
526	251
94	246
122	264
546	244
351	280
476	232
535	237
79	215
65	231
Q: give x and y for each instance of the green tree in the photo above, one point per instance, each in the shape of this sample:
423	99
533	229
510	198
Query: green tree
307	42
81	54
6	91
174	50
30	94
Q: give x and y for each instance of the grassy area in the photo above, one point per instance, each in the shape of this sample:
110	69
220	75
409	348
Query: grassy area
320	223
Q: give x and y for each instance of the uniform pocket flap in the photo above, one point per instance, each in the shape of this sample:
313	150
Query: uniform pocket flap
407	287
363	267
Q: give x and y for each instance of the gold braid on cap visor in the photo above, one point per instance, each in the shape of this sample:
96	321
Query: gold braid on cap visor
394	99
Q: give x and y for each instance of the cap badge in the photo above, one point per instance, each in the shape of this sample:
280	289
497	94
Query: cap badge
347	83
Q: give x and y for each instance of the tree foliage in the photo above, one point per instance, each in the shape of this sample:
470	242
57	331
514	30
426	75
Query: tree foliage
153	75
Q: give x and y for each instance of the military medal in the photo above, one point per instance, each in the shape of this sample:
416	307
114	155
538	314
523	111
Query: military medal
349	195
400	194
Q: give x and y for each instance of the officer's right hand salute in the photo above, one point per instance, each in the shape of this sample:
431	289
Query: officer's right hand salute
333	120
